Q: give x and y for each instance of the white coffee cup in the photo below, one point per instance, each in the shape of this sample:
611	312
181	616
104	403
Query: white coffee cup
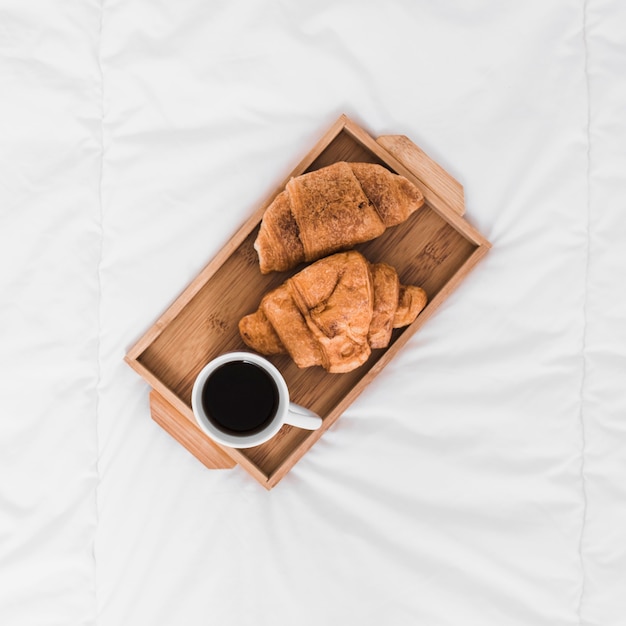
210	392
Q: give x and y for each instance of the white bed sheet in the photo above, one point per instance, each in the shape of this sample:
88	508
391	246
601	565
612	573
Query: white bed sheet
478	480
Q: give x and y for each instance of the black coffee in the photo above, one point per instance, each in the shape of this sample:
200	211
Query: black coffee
240	398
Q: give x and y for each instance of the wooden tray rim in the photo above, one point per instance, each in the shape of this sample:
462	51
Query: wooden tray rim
448	210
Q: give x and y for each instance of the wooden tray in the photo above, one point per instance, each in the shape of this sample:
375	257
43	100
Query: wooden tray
435	248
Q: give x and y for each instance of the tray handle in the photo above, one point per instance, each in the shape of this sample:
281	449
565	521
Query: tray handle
429	173
187	434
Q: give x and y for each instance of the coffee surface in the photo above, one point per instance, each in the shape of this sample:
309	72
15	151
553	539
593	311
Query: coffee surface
240	398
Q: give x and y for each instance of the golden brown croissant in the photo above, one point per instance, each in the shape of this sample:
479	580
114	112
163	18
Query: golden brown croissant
333	313
332	209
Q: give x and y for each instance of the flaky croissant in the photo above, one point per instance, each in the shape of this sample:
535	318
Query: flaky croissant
333	313
332	209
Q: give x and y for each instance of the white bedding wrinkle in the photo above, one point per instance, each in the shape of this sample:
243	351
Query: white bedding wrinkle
49	148
479	480
604	400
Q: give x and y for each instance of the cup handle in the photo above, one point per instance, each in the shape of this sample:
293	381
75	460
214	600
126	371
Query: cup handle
302	418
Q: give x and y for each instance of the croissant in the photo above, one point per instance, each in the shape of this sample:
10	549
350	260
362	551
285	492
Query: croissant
332	209
332	313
